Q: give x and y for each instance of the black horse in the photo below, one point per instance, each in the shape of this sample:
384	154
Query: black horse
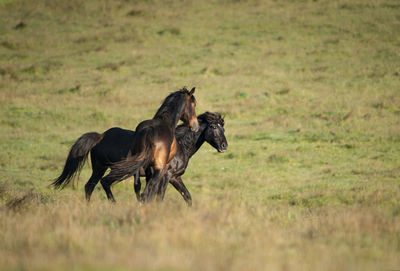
211	130
115	144
153	147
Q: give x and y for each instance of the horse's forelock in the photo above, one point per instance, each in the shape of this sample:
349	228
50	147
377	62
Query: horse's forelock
212	118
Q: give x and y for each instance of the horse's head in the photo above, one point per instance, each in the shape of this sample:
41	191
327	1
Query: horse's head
188	116
214	133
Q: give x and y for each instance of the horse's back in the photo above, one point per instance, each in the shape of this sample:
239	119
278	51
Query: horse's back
154	128
117	132
114	146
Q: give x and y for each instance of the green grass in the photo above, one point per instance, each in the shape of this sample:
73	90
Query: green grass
310	91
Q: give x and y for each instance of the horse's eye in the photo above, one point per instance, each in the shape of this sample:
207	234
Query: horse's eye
213	126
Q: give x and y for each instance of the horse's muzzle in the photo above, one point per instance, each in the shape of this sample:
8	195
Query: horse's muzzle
223	147
194	126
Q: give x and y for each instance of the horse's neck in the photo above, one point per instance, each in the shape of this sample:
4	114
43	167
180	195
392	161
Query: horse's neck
171	118
192	141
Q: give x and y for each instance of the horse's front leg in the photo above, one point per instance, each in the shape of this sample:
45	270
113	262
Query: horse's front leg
180	186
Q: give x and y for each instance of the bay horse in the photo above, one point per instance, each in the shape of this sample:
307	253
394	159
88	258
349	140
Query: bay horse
154	145
115	144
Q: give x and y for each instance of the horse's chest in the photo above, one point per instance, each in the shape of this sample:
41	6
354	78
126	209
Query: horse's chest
177	166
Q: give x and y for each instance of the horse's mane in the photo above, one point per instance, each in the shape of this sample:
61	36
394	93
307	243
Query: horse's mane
173	101
206	118
211	118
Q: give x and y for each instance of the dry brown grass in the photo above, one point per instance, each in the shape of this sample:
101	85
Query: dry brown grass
66	233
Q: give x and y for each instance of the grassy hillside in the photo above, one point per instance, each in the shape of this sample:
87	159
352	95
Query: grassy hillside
310	91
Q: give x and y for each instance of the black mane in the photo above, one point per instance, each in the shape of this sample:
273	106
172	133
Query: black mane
211	118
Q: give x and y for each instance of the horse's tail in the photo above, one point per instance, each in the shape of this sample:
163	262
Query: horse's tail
133	163
76	158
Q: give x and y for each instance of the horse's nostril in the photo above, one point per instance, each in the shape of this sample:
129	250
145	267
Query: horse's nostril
223	145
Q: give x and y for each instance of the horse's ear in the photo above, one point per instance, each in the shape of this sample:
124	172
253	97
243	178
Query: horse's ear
192	91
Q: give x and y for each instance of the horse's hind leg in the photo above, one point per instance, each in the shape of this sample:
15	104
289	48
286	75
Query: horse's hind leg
90	185
137	186
160	157
152	185
148	173
106	182
162	188
98	172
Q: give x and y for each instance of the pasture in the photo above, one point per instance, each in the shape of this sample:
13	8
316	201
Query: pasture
310	91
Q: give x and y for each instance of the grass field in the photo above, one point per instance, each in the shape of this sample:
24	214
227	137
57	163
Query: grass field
310	91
